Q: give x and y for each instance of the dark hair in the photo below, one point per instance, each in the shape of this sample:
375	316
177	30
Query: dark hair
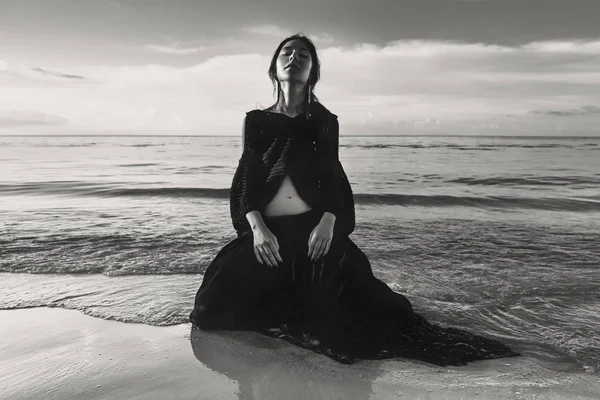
313	77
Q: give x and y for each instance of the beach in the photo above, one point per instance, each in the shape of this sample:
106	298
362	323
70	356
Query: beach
103	248
50	353
467	129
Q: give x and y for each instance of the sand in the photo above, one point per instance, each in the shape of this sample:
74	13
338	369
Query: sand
49	353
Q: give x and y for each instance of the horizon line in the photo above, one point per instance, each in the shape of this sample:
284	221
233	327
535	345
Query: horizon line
237	136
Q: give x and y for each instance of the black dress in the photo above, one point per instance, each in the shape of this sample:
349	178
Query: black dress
333	305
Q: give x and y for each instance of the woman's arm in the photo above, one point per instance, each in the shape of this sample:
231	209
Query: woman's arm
255	220
338	201
329	146
243	195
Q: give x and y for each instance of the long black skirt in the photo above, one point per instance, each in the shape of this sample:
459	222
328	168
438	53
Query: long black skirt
333	305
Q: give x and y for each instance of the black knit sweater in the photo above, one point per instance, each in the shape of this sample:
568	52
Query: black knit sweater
306	148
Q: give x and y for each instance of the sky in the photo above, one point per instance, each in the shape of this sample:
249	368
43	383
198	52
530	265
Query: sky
389	67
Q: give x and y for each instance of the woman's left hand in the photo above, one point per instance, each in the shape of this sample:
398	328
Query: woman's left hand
320	239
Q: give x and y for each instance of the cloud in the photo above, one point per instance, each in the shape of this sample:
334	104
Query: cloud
322	39
583	110
13	118
58	74
565	46
22	74
459	81
281	33
174	49
269	30
404	86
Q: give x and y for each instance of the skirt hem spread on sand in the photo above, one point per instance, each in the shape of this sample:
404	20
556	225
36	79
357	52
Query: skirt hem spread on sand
333	305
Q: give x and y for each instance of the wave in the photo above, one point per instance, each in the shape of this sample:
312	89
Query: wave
138	165
575	204
480	147
86	144
500	202
528	181
109	190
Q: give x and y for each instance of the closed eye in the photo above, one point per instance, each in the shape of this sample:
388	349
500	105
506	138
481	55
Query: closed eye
287	53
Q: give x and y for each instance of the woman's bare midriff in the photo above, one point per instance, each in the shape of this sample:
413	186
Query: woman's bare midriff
286	201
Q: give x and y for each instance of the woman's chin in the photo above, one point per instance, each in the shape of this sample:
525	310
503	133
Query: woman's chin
293	77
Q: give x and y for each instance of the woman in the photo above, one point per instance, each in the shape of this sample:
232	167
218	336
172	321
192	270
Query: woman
293	272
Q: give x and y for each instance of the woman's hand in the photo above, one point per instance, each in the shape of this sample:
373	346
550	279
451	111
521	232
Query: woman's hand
266	246
320	238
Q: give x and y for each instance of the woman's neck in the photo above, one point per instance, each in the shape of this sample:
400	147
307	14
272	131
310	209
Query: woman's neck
292	99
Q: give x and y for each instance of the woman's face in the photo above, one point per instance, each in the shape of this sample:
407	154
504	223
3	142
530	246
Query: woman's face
294	62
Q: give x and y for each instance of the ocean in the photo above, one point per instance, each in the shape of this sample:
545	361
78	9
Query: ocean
496	235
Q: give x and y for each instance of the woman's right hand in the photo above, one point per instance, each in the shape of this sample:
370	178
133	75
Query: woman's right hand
266	246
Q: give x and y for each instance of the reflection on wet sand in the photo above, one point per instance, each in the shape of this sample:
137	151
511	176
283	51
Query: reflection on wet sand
267	368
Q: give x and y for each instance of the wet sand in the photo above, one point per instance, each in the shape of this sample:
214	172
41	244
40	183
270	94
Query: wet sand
51	353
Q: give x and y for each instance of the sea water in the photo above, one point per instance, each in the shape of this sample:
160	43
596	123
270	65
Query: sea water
496	235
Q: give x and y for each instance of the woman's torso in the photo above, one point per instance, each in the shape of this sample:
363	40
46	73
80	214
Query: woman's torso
292	191
286	201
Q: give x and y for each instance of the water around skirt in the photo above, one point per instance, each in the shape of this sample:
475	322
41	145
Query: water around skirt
333	305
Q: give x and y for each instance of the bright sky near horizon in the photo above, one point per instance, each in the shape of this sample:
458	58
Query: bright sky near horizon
455	67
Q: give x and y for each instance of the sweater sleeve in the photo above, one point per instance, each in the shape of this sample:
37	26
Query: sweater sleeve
243	193
335	187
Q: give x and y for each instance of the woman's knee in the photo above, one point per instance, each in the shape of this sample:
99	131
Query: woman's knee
355	264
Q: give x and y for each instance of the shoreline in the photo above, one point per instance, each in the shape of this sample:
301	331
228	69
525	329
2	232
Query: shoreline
54	353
